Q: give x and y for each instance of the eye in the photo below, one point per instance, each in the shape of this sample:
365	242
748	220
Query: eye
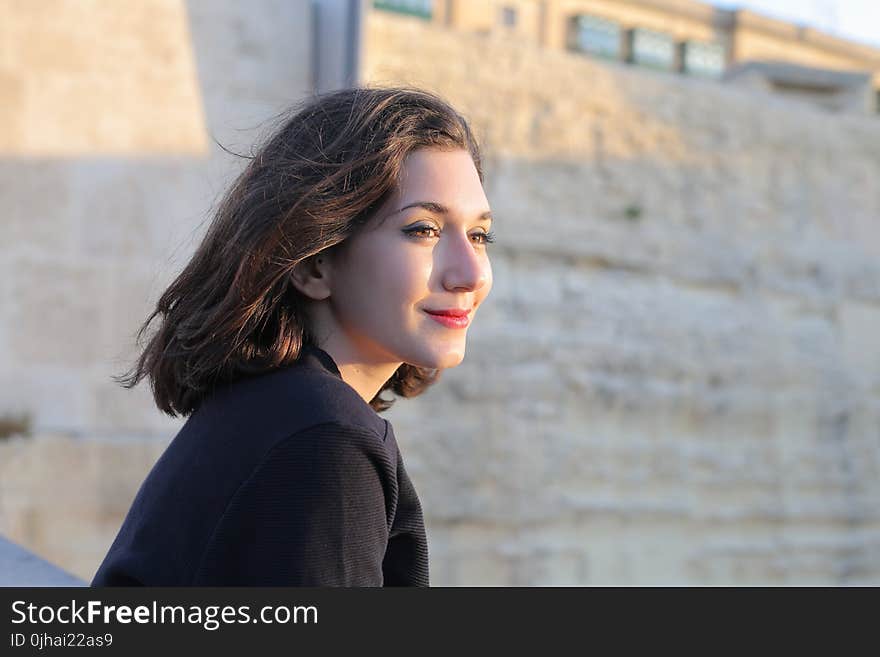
427	232
487	238
421	232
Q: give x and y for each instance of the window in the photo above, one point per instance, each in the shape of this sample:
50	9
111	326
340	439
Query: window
596	36
508	16
704	59
652	49
420	8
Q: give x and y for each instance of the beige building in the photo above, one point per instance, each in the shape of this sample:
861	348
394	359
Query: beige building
683	36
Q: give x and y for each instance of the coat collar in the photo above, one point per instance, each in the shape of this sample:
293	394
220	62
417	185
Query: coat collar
317	358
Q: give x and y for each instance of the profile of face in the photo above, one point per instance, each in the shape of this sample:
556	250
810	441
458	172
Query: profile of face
425	250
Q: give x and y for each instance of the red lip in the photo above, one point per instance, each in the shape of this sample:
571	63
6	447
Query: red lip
459	320
449	312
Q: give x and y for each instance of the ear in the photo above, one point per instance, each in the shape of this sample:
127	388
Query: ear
311	276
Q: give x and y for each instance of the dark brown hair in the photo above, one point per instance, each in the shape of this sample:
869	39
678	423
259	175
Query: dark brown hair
233	311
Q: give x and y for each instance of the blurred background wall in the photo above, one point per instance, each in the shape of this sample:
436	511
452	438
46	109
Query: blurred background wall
676	379
109	167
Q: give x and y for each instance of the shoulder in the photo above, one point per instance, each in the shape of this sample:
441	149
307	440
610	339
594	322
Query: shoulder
334	443
278	404
316	510
324	469
334	455
332	464
283	417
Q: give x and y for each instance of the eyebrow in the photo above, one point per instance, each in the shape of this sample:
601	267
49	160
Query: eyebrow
439	208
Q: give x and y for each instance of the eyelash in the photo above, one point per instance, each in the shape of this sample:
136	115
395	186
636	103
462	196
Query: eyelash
488	238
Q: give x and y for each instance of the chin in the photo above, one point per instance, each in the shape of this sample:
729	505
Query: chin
437	361
447	360
435	354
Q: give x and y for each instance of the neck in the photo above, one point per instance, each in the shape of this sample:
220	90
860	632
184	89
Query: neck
366	376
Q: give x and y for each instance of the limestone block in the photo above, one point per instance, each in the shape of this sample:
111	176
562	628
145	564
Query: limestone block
94	78
56	397
58	313
37	213
261	51
64	498
115	410
859	325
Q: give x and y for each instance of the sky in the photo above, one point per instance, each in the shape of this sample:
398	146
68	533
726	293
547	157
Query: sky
858	20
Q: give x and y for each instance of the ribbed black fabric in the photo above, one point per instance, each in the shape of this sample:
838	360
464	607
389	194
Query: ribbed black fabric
285	479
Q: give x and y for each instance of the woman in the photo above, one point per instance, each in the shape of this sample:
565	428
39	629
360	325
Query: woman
347	259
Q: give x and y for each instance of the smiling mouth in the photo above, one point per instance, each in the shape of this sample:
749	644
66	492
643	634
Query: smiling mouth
449	320
450	313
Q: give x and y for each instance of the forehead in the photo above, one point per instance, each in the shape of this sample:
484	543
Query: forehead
445	176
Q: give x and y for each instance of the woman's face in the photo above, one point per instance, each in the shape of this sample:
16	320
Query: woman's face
411	259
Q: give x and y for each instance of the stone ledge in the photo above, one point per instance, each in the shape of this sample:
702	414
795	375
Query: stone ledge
19	567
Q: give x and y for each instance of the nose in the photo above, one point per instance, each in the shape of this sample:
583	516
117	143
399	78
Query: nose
464	265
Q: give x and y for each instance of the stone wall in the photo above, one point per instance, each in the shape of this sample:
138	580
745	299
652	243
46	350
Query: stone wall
122	82
64	498
89	242
676	378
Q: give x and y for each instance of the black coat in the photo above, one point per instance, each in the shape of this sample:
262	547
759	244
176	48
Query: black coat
285	479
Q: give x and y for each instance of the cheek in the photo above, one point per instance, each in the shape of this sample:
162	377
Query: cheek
487	286
394	277
403	274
